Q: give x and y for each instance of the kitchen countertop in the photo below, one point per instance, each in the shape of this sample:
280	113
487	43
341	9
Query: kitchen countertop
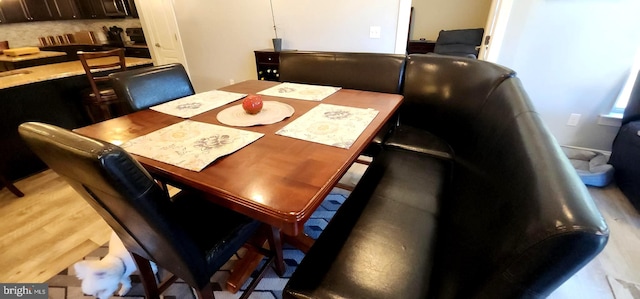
39	55
55	71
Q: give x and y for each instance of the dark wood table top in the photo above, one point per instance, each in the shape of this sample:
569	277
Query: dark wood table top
278	180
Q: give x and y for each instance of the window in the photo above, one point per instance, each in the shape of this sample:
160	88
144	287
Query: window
625	93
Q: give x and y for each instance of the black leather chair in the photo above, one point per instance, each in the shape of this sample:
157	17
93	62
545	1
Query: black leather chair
187	235
625	151
460	42
149	86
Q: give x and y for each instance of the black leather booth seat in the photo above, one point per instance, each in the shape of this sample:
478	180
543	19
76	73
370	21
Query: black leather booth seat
625	151
471	197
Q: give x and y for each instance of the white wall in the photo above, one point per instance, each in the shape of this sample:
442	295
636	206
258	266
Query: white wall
219	36
431	16
572	57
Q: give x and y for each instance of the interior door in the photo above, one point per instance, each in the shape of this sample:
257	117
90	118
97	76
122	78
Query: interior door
494	29
161	31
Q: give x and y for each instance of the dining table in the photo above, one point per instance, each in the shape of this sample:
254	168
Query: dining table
276	179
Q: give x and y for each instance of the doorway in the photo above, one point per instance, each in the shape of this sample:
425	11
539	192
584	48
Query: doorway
159	20
495	26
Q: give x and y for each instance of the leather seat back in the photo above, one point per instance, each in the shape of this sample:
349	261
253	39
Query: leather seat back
364	71
517	206
154	85
442	94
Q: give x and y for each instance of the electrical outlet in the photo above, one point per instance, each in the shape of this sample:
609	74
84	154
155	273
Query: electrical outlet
574	118
374	32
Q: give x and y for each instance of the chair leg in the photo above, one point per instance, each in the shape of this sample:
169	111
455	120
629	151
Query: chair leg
147	276
4	182
106	111
87	107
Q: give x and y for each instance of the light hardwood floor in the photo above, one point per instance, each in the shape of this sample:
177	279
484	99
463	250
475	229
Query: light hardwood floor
53	227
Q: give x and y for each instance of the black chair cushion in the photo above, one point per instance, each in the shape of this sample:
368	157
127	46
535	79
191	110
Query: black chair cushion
386	225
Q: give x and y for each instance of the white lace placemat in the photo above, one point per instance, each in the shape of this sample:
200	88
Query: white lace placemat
198	103
333	125
300	91
190	144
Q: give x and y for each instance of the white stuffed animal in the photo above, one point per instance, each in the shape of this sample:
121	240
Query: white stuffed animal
101	278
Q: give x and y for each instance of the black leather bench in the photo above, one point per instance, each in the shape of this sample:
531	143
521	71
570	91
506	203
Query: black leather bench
471	197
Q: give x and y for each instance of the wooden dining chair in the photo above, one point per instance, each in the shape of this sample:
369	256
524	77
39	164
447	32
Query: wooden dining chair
100	99
187	234
4	45
154	85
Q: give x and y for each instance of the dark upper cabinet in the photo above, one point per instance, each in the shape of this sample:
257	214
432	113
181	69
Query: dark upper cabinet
92	9
65	9
2	19
26	10
38	10
133	9
14	11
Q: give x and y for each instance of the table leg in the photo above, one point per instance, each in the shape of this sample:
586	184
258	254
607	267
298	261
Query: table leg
275	244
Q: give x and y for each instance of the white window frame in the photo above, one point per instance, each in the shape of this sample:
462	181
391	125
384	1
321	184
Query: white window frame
625	93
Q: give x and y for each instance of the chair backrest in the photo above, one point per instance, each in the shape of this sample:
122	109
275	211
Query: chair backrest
364	71
149	86
95	63
4	45
460	42
121	191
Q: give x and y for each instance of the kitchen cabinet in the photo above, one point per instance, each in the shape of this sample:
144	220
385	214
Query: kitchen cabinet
38	10
134	10
26	10
14	11
92	9
65	9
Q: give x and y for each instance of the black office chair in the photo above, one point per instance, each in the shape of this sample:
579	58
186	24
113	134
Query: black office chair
460	42
154	85
186	235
